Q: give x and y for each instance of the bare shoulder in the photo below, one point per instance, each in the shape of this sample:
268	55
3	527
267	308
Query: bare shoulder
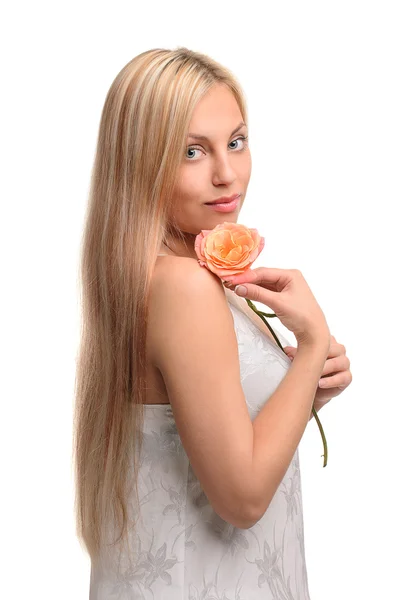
175	267
177	278
179	285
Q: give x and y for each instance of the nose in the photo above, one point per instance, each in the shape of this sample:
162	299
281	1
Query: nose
223	172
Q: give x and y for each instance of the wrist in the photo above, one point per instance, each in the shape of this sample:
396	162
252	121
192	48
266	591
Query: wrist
319	342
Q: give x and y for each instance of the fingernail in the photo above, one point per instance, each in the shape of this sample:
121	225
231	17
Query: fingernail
240	290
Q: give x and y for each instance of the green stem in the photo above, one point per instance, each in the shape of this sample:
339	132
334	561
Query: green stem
262	315
315	415
270	315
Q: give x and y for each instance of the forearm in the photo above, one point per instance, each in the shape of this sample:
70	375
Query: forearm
317	409
279	426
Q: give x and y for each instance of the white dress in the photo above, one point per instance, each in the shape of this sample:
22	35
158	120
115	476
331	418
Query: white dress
184	549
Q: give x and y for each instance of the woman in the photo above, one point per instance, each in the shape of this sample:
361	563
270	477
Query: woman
188	414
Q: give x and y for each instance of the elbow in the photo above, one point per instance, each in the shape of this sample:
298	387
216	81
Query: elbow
248	521
242	510
250	515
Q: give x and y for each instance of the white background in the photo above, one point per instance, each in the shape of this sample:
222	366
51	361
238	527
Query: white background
320	81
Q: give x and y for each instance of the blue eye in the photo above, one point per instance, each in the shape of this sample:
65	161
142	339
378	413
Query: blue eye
242	138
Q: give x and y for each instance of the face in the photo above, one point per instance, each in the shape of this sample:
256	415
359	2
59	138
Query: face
219	165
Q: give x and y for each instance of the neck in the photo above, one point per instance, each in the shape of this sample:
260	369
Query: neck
178	246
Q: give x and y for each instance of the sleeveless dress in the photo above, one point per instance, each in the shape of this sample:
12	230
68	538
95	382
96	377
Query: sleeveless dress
184	550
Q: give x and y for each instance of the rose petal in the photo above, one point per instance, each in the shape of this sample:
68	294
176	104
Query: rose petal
228	249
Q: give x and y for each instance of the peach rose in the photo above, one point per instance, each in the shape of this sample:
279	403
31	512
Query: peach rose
228	249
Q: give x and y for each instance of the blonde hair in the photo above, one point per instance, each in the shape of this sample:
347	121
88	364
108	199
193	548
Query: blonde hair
141	144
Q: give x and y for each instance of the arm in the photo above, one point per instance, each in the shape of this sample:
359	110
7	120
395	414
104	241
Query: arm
279	426
239	463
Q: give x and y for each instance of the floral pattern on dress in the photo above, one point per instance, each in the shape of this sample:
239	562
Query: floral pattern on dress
183	550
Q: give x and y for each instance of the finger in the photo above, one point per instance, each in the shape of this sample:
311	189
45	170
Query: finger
290	351
259	293
261	274
336	365
229	285
335	349
340	380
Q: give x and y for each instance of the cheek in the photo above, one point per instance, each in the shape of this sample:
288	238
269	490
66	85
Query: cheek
248	165
188	181
191	188
244	168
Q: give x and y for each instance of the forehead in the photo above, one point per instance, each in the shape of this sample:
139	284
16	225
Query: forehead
197	136
217	113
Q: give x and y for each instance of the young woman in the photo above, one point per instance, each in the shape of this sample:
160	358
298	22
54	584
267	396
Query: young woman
188	414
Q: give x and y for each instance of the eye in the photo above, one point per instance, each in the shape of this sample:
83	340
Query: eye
242	138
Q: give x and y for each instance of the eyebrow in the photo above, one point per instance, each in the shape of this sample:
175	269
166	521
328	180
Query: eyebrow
203	137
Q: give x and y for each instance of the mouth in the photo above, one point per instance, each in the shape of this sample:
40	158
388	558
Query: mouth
224	200
225	207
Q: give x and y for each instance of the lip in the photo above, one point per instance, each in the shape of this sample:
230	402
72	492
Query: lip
225	199
226	207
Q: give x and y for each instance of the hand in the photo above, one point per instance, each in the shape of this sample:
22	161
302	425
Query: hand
336	375
286	292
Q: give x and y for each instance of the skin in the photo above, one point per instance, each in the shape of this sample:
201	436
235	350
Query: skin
336	375
218	167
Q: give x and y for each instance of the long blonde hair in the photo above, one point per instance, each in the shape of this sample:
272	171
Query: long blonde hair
141	144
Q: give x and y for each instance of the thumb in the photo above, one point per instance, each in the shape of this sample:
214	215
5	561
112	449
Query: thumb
257	293
290	351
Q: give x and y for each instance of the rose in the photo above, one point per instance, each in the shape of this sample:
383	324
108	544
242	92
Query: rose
230	249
